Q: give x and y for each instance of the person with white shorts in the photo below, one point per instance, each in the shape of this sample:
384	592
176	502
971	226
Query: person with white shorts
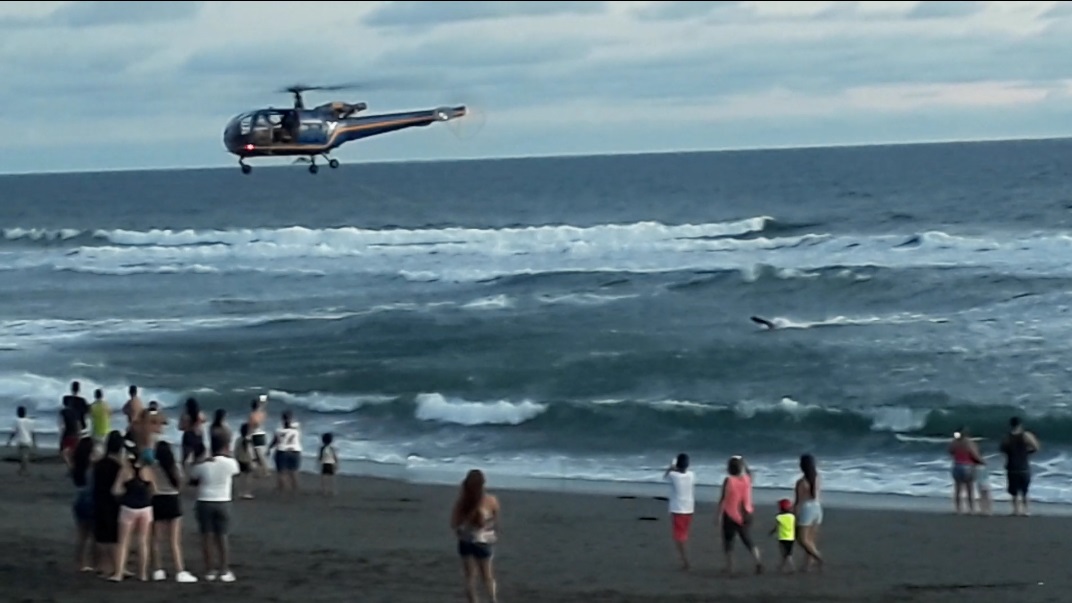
809	510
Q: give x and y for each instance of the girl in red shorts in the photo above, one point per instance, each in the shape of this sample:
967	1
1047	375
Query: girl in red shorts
682	503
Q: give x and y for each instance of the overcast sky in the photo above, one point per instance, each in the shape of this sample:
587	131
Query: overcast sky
112	85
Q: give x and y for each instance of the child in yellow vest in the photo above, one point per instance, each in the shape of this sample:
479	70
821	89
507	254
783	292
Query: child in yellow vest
786	527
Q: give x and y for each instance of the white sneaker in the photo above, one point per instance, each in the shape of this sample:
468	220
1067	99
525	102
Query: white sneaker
159	575
211	576
185	577
227	577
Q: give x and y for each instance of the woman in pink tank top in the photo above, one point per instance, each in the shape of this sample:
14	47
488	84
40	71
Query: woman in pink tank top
735	512
965	458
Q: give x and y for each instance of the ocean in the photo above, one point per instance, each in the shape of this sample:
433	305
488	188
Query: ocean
573	317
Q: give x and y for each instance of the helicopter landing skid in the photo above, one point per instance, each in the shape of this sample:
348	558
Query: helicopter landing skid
314	168
246	168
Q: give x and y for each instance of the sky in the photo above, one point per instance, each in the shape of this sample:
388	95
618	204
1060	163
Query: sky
135	85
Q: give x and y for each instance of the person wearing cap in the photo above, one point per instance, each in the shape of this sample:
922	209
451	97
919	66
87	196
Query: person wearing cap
785	526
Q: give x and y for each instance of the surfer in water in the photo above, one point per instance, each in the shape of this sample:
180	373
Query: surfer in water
763	321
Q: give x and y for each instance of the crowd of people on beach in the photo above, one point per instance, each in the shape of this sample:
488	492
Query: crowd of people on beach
129	487
129	484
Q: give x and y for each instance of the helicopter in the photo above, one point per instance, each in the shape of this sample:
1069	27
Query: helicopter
312	133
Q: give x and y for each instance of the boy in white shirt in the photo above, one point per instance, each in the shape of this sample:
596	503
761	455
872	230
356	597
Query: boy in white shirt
23	436
214	478
682	503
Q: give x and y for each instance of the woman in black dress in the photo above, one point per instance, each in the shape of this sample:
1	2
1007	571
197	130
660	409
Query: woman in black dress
105	506
82	508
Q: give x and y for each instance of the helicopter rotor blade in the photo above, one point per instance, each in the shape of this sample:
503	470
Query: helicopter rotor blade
366	85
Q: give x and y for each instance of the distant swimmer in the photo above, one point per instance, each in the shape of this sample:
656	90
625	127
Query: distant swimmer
763	321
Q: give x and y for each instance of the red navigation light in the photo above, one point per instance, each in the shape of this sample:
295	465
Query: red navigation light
249	147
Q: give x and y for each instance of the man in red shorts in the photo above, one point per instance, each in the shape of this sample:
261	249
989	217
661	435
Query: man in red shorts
682	503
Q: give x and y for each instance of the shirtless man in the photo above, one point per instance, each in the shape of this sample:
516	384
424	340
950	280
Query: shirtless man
258	436
133	408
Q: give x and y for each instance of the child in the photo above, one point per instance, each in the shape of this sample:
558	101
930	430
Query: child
785	526
24	437
329	461
982	482
243	454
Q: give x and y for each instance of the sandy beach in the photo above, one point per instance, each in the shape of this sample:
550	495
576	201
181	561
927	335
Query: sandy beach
387	541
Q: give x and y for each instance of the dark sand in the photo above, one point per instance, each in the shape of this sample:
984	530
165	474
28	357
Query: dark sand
384	541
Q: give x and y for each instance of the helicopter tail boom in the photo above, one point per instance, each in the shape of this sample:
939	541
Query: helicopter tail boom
355	128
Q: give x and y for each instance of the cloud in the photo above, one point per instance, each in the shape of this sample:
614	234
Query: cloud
393	14
942	9
1059	10
101	14
128	12
583	76
685	9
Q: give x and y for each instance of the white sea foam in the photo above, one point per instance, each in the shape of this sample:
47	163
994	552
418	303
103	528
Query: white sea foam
436	407
329	403
466	255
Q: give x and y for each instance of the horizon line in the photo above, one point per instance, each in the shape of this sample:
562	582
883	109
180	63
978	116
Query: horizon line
741	149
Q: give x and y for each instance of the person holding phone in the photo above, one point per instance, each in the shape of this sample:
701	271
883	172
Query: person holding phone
258	437
735	511
682	503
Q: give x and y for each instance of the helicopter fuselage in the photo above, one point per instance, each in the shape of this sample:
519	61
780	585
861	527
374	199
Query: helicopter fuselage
317	131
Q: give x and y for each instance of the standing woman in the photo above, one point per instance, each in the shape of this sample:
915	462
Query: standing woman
167	514
83	502
191	424
475	520
105	506
288	451
735	511
219	431
965	457
134	488
809	510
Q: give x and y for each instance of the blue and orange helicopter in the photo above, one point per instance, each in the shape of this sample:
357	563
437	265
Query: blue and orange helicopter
312	133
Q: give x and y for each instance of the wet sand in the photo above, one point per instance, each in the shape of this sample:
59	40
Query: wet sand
388	541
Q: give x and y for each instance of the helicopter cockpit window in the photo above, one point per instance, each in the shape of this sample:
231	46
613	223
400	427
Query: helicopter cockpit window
245	125
312	127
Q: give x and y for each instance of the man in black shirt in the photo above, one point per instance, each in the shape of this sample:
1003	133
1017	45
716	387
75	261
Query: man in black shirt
1018	446
72	421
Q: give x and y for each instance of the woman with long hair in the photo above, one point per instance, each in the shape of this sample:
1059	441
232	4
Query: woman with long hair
81	463
105	506
475	521
191	424
134	488
219	431
809	510
167	514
